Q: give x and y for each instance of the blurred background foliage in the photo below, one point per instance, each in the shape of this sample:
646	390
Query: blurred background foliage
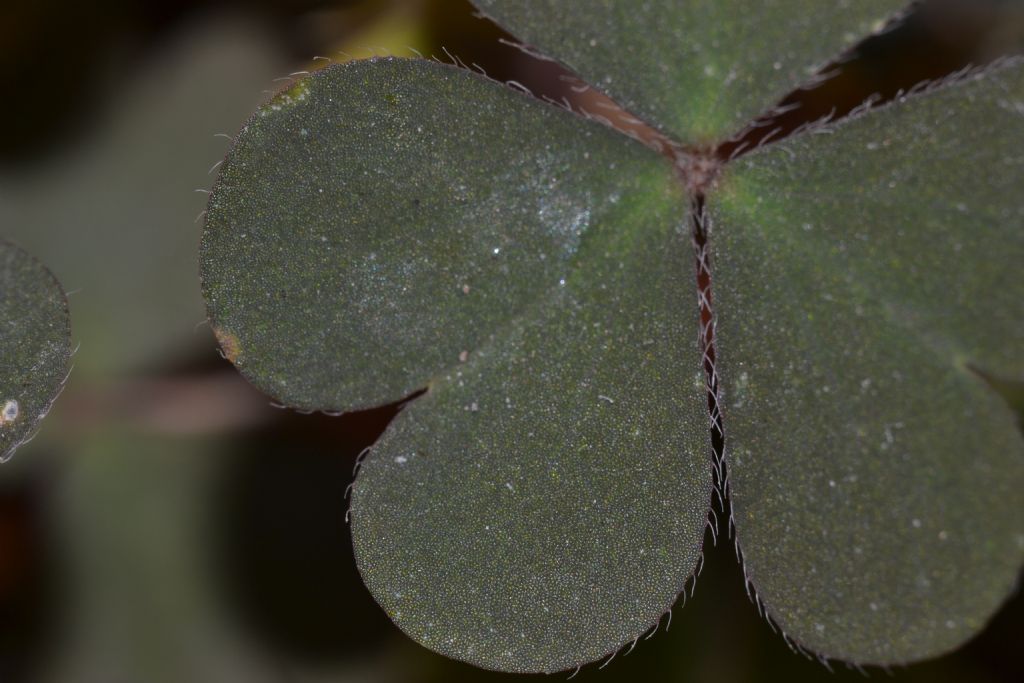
169	524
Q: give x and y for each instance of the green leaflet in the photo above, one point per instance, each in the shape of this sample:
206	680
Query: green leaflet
875	477
545	504
35	345
389	225
697	69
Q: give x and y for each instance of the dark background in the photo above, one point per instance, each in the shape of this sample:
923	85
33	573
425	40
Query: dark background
170	525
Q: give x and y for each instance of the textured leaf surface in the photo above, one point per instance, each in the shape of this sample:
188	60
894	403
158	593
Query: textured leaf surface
34	347
390	225
697	69
876	479
545	503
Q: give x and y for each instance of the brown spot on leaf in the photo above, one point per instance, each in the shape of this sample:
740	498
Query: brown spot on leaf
229	344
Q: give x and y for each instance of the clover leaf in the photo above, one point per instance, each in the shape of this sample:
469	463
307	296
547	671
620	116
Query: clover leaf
35	346
392	226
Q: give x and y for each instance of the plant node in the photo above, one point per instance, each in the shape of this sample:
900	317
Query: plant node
698	170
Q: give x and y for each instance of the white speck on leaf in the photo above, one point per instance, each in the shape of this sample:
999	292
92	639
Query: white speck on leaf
10	412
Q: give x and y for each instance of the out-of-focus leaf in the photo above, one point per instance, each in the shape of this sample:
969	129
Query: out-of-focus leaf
876	479
135	511
35	345
697	69
388	225
114	218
